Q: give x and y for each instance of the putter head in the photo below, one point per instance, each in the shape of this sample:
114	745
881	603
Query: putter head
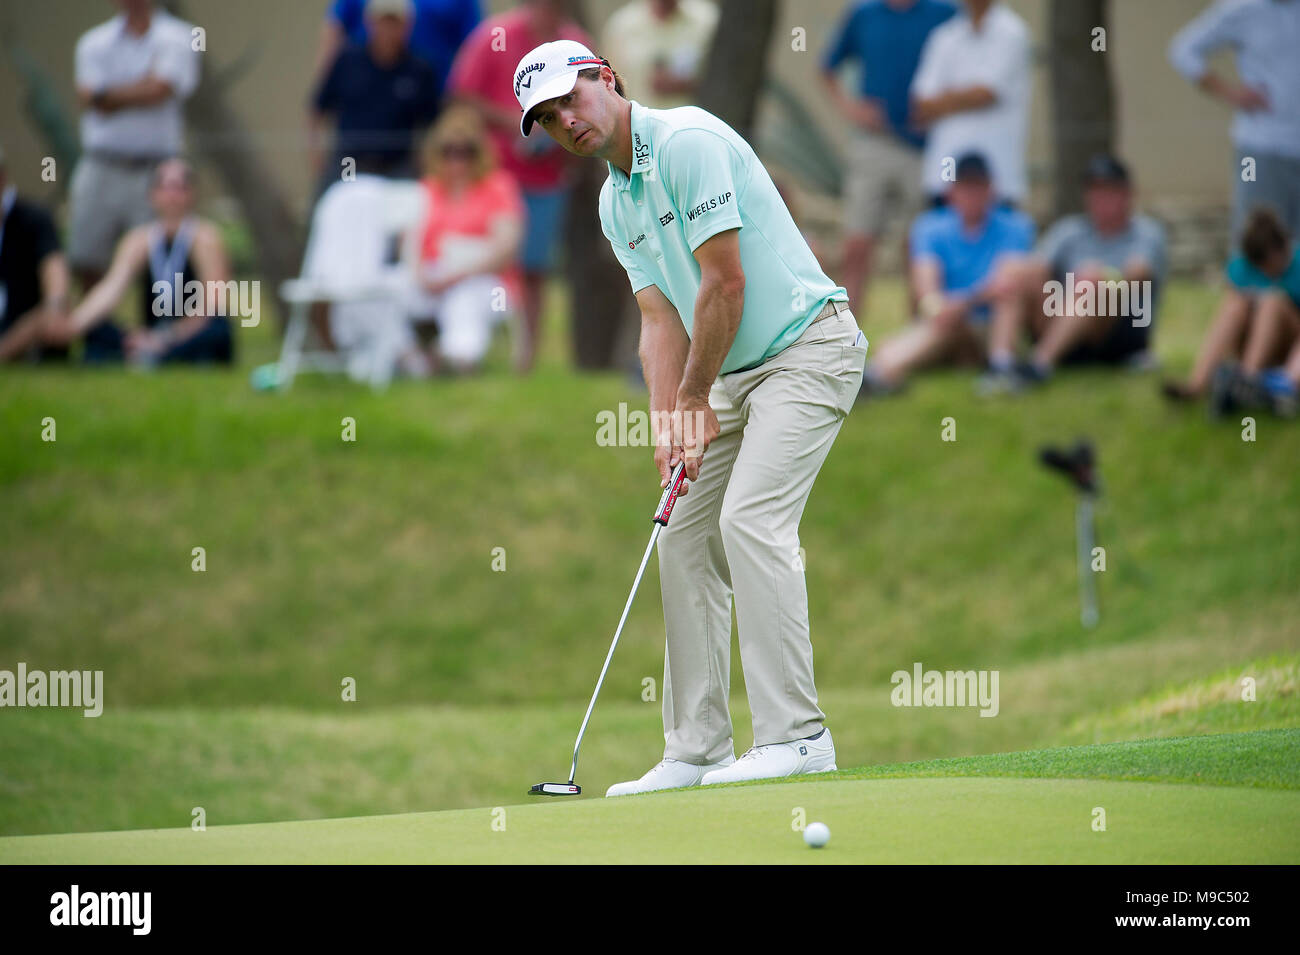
1077	464
555	789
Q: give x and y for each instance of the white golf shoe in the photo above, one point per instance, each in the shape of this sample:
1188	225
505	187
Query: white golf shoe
668	774
776	760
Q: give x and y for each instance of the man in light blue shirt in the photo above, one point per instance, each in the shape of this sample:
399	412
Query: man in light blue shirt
1265	34
753	360
966	264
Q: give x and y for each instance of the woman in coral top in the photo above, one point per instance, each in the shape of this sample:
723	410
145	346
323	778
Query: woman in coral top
468	275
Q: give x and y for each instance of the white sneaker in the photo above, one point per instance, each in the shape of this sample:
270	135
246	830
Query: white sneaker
668	774
777	760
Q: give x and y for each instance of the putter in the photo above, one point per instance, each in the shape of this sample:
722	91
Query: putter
1078	466
662	513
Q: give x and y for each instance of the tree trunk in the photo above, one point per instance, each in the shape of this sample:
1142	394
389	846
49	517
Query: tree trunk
1083	107
733	74
598	287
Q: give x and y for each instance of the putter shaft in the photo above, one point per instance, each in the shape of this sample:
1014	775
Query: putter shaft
645	559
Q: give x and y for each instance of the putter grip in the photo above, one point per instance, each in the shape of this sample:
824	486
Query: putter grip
670	494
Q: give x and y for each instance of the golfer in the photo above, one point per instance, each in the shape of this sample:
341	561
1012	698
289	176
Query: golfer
753	360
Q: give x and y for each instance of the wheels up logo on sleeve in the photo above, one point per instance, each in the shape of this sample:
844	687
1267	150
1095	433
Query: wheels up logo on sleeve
707	206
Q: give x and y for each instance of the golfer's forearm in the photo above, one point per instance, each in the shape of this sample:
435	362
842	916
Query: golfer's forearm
717	318
663	359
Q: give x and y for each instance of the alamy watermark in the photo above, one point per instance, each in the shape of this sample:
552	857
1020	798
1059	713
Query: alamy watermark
633	429
74	688
923	687
234	299
130	909
1118	298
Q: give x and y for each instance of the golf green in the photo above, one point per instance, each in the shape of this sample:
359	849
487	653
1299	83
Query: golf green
920	820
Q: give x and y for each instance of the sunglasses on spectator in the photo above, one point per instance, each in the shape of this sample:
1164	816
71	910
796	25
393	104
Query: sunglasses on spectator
459	150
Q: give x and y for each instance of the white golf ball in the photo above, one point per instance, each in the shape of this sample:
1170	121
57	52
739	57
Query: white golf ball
816	834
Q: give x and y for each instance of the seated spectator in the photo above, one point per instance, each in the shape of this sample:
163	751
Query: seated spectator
1073	307
380	96
468	245
484	77
1266	264
33	277
177	248
966	262
1260	383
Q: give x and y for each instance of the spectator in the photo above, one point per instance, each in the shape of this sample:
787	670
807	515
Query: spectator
132	75
439	28
659	46
483	76
1266	266
883	173
175	249
971	92
1264	34
1088	255
33	276
380	96
1258	384
468	268
966	259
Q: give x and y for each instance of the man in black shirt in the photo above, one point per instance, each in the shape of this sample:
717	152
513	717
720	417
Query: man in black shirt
380	95
33	277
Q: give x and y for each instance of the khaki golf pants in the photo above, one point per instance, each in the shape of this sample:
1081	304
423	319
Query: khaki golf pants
736	532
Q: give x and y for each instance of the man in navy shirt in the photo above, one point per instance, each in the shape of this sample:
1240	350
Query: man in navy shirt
380	94
883	172
440	27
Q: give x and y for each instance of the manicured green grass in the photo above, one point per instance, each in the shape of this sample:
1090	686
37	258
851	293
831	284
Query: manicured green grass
1269	759
373	560
1225	702
913	818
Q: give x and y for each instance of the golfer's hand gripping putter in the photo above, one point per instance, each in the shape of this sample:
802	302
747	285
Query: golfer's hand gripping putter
662	513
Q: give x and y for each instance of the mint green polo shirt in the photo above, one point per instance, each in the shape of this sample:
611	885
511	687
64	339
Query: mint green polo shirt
693	177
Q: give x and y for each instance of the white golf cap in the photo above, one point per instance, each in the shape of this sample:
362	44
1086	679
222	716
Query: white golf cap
548	71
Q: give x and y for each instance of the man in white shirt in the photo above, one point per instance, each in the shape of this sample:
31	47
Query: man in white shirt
1266	129
972	91
132	74
659	46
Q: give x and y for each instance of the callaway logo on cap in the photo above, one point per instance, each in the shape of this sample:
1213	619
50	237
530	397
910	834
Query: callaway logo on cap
548	71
